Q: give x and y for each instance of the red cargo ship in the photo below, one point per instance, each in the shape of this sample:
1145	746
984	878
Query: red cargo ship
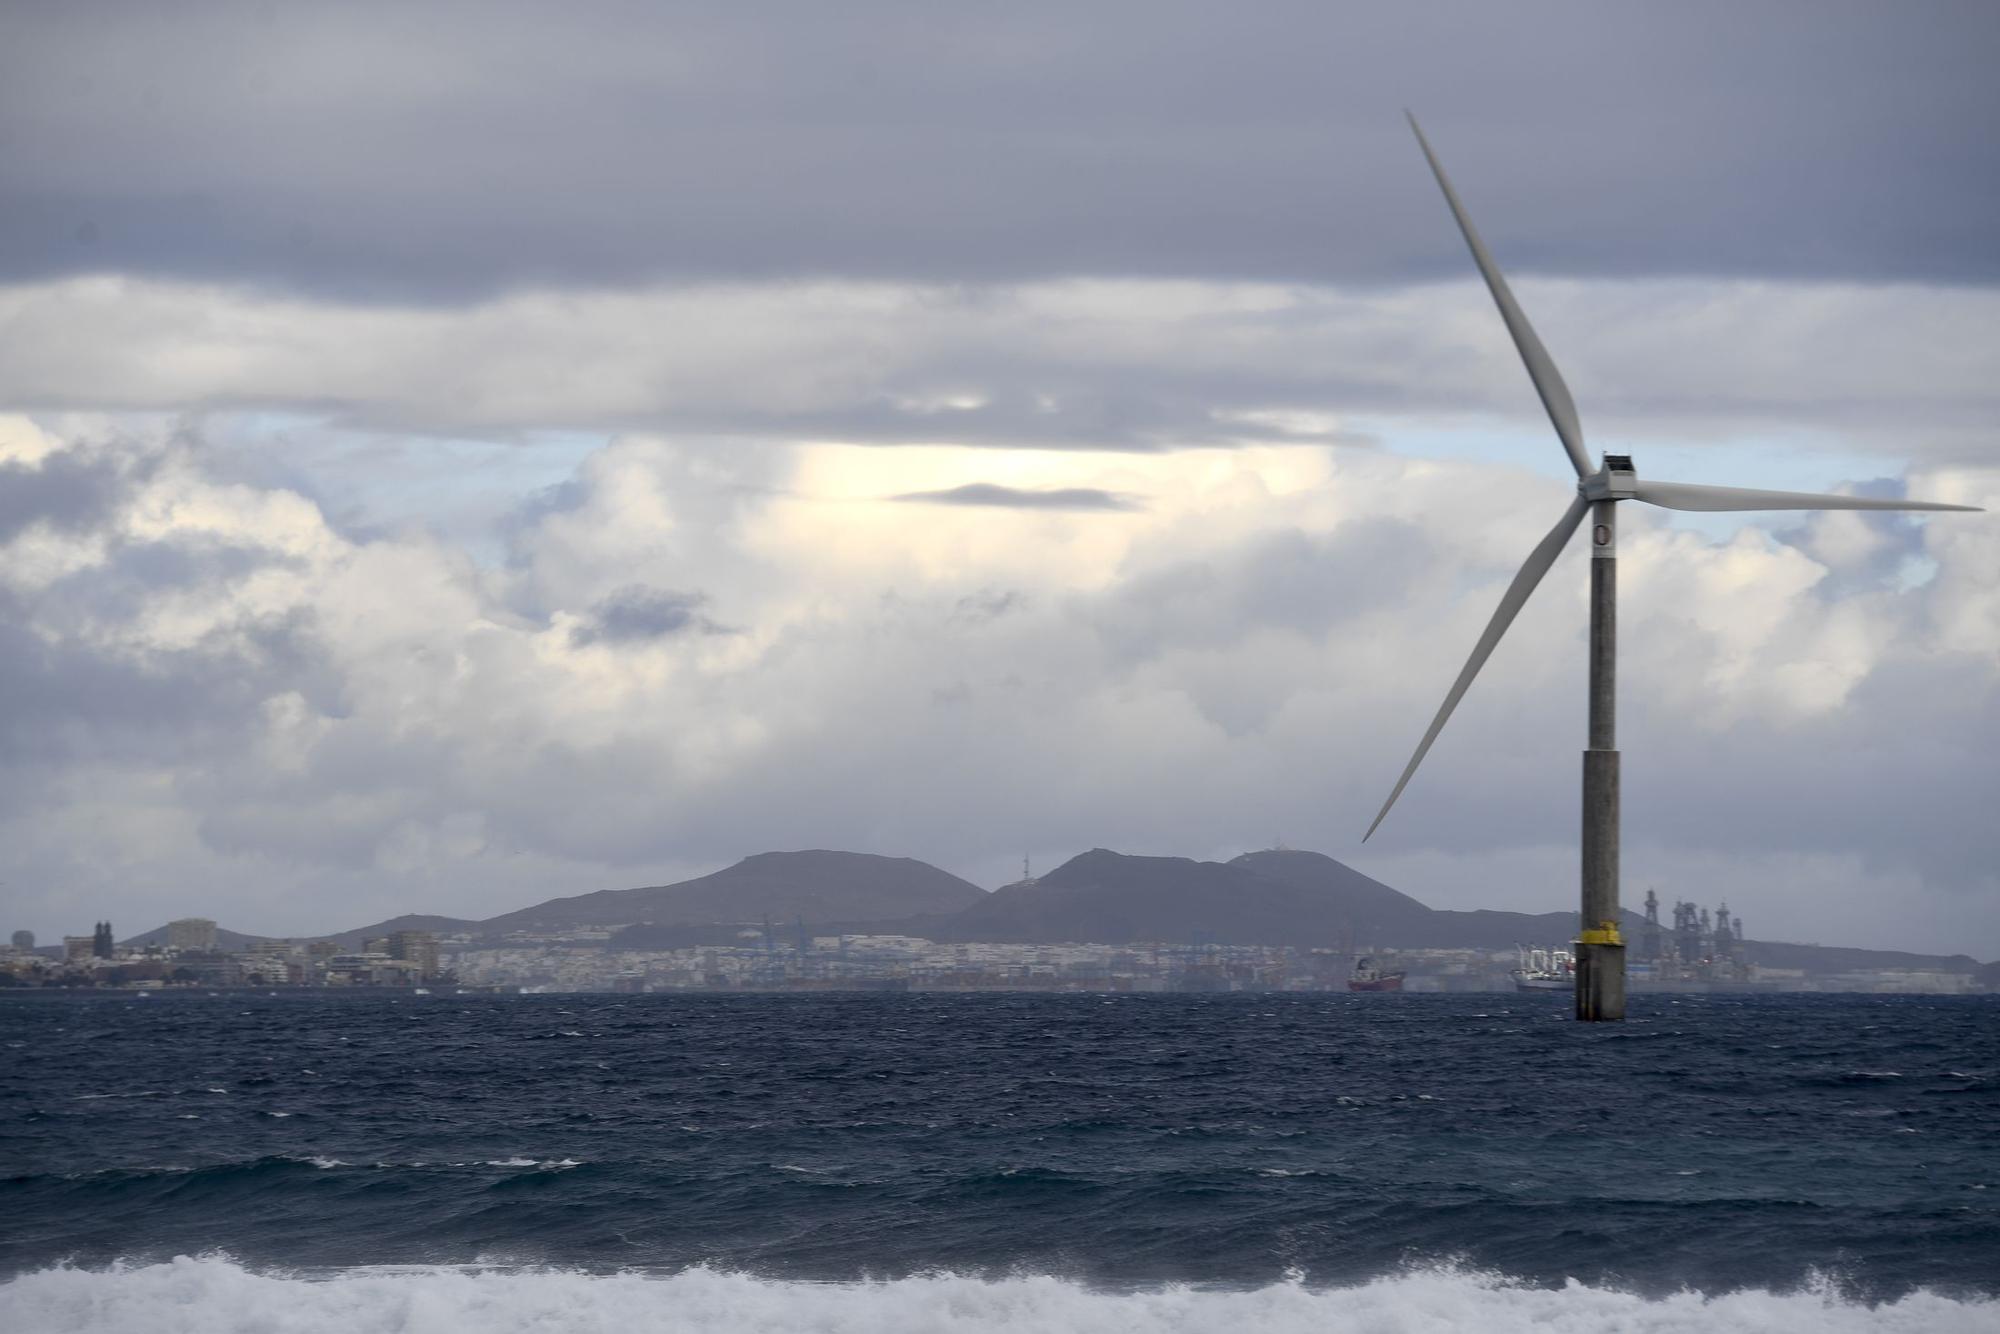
1366	977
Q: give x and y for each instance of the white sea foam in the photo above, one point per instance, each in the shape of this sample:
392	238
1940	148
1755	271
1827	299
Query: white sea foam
136	1093
214	1295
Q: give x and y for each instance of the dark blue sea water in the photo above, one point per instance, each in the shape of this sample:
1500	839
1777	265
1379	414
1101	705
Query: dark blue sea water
756	1162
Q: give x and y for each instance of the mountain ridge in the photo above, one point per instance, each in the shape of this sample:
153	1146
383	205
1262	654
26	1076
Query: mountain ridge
1289	897
818	885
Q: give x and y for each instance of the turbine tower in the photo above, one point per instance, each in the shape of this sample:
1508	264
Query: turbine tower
1600	949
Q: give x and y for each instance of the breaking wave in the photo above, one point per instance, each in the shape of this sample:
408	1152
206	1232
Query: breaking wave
210	1293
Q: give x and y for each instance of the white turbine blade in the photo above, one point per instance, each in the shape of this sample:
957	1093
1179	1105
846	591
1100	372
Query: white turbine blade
1538	563
1541	367
1690	496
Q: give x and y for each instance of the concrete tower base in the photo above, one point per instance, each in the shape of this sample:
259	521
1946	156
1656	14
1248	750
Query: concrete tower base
1600	981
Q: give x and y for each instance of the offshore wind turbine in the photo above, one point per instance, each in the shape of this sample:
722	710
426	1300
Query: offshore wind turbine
1600	949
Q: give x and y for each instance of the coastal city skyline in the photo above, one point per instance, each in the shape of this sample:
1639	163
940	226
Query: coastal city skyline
1100	922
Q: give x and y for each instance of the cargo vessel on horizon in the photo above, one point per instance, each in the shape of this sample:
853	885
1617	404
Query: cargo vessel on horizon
1367	977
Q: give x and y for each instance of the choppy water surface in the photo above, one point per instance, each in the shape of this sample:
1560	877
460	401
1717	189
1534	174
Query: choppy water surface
1840	1152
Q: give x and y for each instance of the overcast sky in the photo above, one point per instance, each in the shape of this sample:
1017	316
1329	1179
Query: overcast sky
464	455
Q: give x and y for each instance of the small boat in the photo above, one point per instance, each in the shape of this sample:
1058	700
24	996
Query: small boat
1545	970
1367	977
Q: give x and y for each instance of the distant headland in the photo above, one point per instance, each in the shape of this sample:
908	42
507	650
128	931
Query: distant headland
824	920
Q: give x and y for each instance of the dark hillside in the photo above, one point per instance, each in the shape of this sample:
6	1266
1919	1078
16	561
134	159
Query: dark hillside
817	886
1115	899
443	926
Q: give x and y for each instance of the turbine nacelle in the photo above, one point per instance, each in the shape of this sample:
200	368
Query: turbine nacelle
1614	481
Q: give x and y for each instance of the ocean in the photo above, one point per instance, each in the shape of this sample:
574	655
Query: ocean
363	1162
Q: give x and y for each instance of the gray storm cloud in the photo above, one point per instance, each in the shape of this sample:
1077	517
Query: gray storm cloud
1134	365
636	614
435	152
72	489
